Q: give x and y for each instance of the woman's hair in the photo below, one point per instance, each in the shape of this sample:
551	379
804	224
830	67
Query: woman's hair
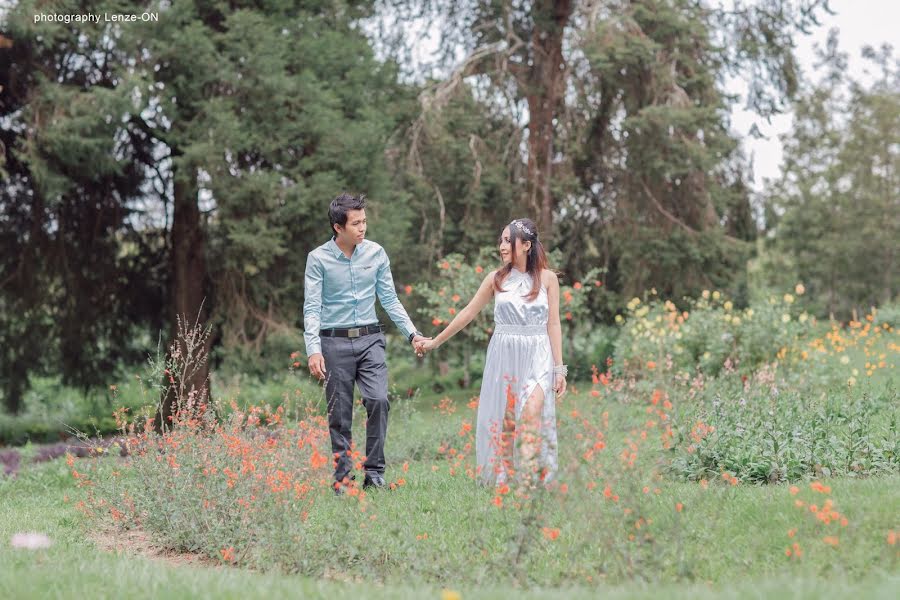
524	230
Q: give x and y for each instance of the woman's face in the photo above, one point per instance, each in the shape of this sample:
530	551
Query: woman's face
506	250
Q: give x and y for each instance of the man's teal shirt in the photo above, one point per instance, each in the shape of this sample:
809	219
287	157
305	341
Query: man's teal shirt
341	291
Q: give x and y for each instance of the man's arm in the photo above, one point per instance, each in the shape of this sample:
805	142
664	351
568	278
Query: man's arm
387	295
312	305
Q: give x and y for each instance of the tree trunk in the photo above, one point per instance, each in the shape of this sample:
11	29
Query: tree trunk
187	293
543	90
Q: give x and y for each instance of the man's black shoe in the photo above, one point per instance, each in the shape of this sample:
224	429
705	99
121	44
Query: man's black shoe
340	487
374	481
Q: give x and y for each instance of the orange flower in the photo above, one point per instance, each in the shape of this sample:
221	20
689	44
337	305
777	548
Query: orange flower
452	311
577	285
227	553
445	265
455	298
498	501
568	316
435	321
794	490
406	467
831	540
792	532
551	533
651	365
317	460
892	538
679	506
408	290
478	269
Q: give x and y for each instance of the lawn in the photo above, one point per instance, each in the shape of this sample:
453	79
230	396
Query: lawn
728	541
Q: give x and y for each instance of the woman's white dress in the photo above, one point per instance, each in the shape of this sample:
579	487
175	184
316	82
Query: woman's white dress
518	359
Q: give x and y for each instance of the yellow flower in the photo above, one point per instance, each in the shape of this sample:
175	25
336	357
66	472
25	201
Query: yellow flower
728	305
799	289
803	318
788	298
851	382
749	313
642	311
785	318
855	372
736	321
705	294
450	595
845	360
716	295
705	355
619	319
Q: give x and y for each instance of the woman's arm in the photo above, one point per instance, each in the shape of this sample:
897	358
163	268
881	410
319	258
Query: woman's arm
554	327
464	317
554	330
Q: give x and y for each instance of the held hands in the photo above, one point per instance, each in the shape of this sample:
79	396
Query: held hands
419	345
425	346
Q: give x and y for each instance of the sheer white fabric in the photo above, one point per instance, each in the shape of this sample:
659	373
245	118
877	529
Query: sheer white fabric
518	359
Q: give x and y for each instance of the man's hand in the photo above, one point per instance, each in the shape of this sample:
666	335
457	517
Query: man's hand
317	365
417	344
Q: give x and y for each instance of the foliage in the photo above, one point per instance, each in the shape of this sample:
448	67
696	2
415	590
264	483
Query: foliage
835	207
254	487
714	332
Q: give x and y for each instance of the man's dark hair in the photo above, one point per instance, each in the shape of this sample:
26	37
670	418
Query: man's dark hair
337	212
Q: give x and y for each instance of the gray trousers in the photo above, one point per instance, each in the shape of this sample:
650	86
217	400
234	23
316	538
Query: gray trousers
360	360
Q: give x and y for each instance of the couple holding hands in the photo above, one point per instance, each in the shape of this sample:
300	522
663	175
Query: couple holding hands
523	372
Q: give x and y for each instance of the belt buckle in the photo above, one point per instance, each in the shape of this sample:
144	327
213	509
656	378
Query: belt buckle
353	333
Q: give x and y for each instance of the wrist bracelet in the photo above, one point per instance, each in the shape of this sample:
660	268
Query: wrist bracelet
561	370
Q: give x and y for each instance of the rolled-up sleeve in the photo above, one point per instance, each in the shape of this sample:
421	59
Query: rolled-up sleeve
387	295
312	305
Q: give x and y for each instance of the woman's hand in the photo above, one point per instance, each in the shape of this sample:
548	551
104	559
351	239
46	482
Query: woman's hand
560	386
426	346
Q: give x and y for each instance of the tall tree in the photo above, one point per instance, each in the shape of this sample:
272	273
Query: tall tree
835	213
623	115
74	277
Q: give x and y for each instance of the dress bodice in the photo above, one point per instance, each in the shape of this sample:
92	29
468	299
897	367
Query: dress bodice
511	307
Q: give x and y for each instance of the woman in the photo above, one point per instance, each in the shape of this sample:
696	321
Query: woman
523	372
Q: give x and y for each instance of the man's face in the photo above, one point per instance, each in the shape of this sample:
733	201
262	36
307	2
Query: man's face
354	232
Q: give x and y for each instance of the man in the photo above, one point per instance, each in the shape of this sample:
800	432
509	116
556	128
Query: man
344	341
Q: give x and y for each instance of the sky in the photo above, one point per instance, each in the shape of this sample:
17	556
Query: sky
859	23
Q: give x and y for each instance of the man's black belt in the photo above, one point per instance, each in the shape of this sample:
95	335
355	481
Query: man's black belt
352	332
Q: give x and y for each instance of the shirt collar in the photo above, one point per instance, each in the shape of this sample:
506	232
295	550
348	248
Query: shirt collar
336	250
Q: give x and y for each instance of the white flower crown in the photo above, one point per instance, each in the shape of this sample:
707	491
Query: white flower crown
521	227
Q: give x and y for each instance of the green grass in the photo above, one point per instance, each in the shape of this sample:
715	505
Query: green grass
74	567
728	542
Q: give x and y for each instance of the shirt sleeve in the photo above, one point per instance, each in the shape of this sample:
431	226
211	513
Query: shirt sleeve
387	295
312	305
